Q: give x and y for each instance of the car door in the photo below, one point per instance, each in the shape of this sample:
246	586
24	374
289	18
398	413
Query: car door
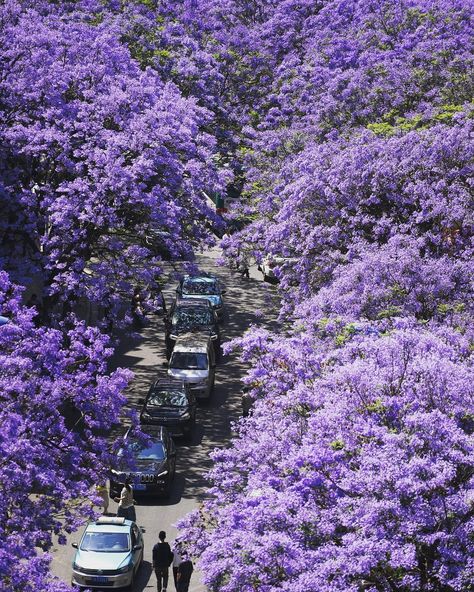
171	453
192	403
212	368
137	546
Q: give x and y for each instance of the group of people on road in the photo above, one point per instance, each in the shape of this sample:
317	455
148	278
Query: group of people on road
164	558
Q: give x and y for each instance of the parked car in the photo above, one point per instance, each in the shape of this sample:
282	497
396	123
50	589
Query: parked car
195	315
194	361
154	463
270	263
109	554
203	286
172	404
158	242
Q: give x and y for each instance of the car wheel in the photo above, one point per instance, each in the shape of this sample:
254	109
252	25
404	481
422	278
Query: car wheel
167	491
131	586
190	429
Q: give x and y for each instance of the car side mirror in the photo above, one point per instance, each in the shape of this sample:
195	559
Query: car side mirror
165	319
141	401
137	547
223	292
75	545
166	364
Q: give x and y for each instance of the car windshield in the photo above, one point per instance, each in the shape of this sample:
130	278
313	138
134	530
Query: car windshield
188	361
188	318
153	452
167	399
194	286
106	542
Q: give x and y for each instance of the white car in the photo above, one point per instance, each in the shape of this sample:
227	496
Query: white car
193	362
270	262
109	554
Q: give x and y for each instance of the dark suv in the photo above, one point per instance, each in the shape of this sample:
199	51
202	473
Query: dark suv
170	403
154	463
187	316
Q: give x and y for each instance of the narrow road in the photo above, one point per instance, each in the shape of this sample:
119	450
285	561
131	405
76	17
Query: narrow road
248	301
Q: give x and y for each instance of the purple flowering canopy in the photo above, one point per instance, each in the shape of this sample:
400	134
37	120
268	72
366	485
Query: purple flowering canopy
354	471
346	128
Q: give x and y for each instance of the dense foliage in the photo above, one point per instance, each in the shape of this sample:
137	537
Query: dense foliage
348	124
354	471
98	150
57	402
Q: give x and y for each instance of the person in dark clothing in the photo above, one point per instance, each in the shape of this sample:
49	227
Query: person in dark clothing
138	309
183	577
162	559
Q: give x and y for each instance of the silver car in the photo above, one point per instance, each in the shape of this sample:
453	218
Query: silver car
109	554
193	361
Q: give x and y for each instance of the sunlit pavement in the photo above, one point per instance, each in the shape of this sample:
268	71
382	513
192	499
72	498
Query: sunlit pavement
248	302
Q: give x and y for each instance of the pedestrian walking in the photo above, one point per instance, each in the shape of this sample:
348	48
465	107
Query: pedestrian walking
244	264
126	501
185	570
162	559
176	561
103	493
138	308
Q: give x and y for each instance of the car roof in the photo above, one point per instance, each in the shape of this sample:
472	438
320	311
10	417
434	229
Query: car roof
192	342
109	524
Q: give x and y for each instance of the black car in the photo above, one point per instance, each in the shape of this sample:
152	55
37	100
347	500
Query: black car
154	463
170	403
187	316
203	286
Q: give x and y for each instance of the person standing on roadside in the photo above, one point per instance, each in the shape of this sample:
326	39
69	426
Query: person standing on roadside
185	570
126	501
162	559
176	561
103	493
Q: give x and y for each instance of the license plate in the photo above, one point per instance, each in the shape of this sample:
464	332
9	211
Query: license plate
140	486
100	580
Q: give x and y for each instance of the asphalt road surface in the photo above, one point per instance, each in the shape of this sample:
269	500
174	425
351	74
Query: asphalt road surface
248	302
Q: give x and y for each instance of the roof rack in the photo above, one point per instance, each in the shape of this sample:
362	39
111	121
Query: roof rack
117	520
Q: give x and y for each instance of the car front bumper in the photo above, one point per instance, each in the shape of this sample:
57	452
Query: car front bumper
101	581
151	488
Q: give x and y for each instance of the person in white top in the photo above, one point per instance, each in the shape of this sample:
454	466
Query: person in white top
176	561
126	501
